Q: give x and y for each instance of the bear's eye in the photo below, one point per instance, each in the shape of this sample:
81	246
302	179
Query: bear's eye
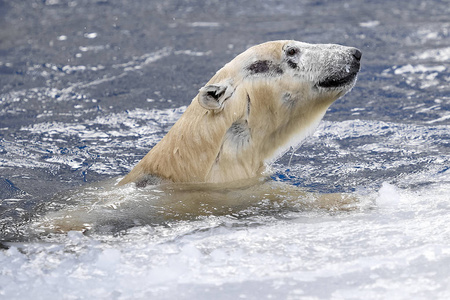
292	51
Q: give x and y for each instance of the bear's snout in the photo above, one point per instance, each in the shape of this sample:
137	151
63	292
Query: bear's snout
344	70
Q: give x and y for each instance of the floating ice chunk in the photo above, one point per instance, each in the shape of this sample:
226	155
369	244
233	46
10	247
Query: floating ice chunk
441	54
204	24
369	24
441	119
388	196
96	48
51	2
418	69
91	35
192	53
72	69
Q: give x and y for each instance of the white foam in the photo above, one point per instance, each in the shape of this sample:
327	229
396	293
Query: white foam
418	69
440	54
359	254
388	196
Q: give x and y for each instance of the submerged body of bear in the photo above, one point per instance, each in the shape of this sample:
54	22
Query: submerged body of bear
256	107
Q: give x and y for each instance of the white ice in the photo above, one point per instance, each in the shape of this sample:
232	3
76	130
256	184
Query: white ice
398	249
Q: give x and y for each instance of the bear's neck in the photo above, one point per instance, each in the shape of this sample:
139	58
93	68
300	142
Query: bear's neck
188	151
223	147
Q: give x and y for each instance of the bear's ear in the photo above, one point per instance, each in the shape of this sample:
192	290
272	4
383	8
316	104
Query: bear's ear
214	95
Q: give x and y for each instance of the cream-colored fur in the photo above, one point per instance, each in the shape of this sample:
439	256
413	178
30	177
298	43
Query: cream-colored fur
254	108
104	207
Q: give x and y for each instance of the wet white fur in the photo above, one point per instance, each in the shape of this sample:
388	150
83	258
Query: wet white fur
252	119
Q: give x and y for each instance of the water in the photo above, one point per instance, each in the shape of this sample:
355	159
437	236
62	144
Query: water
88	87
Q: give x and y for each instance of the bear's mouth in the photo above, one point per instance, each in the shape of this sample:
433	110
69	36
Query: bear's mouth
343	78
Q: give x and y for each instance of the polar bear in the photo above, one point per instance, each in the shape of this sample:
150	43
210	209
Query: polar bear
266	100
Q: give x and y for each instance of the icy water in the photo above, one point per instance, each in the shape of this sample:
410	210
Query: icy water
87	87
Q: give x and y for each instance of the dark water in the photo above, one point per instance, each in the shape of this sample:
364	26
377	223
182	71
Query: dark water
88	87
66	64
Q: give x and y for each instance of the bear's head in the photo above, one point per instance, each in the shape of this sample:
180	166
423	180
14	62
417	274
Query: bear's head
275	93
262	103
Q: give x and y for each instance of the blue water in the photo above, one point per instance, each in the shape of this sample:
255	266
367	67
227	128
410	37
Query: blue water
88	87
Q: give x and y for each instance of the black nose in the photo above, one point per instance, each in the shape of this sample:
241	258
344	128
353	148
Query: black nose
356	54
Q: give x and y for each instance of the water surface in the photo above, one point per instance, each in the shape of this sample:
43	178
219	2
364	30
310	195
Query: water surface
88	87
